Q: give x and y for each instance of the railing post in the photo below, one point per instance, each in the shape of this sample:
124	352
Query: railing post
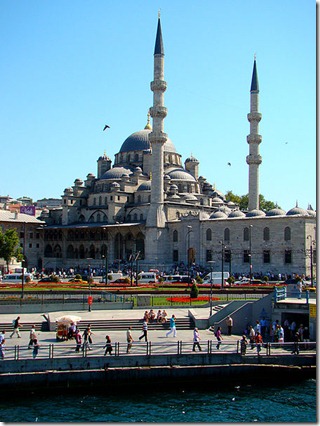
238	343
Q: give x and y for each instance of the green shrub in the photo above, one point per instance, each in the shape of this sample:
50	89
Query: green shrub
55	278
78	277
194	291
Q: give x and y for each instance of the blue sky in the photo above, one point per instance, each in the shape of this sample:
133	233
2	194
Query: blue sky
69	67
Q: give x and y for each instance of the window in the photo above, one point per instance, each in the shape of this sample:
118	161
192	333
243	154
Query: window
209	235
175	236
31	235
227	255
266	255
287	256
30	245
246	256
208	255
175	256
287	234
246	234
227	234
266	234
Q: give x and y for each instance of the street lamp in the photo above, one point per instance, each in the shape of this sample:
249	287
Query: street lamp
211	263
250	254
311	260
107	267
188	251
222	263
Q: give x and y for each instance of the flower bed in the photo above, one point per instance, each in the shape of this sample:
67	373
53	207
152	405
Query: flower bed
186	299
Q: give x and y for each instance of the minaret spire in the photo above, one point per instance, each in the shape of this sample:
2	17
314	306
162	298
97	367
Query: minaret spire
254	139
156	216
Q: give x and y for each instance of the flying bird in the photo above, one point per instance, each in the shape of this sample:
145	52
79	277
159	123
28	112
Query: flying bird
229	164
106	127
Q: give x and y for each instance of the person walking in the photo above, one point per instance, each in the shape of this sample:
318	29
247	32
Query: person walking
87	337
196	340
16	327
35	348
259	342
108	346
172	327
296	340
229	322
2	343
78	339
145	331
32	336
219	337
129	339
252	336
243	345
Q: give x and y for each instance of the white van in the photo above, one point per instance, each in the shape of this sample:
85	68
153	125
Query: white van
16	278
216	277
147	277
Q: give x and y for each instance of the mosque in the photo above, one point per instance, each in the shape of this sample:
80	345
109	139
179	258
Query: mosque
151	207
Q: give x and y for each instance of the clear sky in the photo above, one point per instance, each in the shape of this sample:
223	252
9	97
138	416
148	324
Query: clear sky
70	67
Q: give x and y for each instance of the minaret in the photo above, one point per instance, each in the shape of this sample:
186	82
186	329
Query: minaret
156	216
254	139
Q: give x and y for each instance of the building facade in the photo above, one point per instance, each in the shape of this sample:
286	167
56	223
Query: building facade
151	205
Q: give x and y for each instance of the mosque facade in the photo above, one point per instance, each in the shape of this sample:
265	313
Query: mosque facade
151	206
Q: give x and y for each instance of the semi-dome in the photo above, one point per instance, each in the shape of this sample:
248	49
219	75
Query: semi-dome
297	211
139	141
116	173
145	186
276	212
180	174
312	213
255	213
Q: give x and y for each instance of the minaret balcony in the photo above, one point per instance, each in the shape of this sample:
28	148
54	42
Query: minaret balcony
158	86
158	111
254	116
254	138
254	159
158	137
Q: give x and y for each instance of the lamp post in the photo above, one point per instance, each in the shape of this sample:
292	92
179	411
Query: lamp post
250	253
222	263
211	263
188	251
311	259
22	279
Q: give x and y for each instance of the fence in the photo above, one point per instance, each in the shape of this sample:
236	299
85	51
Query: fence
149	348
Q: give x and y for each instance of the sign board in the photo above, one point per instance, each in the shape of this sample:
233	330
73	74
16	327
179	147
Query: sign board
313	311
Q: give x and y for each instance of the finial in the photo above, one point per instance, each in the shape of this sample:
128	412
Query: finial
159	13
255	56
148	125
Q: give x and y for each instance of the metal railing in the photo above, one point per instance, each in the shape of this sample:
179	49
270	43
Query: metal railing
50	351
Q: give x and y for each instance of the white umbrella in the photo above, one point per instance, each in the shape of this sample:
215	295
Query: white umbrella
67	319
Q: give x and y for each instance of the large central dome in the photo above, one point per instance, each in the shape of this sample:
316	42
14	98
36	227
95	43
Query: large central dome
139	141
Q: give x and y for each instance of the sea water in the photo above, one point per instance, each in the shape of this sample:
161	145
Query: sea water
241	404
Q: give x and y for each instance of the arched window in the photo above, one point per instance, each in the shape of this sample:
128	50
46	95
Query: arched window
246	234
175	236
100	200
266	234
209	235
287	233
227	234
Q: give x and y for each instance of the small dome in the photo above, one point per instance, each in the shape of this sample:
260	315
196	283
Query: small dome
203	215
191	159
137	170
115	185
297	211
225	210
190	198
217	200
230	204
255	213
104	157
180	174
145	186
218	215
236	213
116	173
276	212
312	213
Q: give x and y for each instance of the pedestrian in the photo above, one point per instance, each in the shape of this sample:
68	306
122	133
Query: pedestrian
16	327
2	346
129	339
259	342
32	336
108	346
296	341
257	327
299	289
243	345
87	337
219	337
78	339
306	336
229	322
145	331
172	327
252	336
35	348
263	325
196	339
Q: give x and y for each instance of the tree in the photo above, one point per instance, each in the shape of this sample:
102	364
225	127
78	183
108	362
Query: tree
10	246
243	201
